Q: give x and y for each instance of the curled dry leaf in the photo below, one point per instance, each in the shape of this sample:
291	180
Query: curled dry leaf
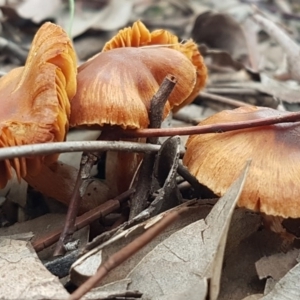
164	177
220	58
36	99
215	159
220	31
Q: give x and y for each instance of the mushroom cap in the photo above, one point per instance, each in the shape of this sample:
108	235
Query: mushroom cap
35	99
272	185
138	36
116	87
127	74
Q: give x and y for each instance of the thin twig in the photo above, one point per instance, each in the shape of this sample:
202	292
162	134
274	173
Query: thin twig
232	90
222	99
125	253
86	164
13	49
69	227
192	180
185	117
214	128
143	183
85	219
62	147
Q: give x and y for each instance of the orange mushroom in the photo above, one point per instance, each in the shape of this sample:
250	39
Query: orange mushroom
138	36
272	186
35	99
115	87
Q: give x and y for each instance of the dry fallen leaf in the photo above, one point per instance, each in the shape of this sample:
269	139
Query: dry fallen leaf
93	15
276	265
286	288
222	32
87	265
38	11
24	276
284	91
291	48
182	266
254	297
41	227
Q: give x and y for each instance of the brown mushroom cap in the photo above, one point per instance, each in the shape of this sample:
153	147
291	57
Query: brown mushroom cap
138	36
272	185
35	99
115	87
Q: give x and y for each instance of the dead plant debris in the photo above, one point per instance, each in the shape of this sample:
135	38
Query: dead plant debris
177	103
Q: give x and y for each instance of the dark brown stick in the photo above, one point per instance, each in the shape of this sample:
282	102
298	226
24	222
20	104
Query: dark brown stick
158	102
143	183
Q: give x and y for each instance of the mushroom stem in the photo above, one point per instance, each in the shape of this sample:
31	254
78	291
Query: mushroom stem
143	184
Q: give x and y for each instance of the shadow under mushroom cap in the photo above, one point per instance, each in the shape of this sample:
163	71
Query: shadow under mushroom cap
272	185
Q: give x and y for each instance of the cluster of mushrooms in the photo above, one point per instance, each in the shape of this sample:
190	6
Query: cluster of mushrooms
113	88
41	100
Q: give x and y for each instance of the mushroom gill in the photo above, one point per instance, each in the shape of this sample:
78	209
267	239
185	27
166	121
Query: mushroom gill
35	99
139	36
